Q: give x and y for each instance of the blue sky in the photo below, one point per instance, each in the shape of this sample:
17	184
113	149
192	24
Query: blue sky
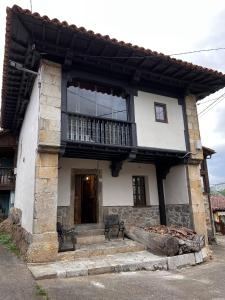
165	26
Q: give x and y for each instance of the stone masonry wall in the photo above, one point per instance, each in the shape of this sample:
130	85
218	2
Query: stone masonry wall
178	214
44	246
208	217
139	216
193	169
193	127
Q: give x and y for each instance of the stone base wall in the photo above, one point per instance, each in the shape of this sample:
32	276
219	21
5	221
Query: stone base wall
178	214
140	216
210	230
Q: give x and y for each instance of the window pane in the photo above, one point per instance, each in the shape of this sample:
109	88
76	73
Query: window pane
160	112
94	103
139	190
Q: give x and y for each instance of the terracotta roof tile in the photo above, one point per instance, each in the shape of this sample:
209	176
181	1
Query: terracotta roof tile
217	202
142	50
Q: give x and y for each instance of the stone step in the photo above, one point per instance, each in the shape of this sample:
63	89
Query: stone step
89	232
87	240
121	262
91	226
104	248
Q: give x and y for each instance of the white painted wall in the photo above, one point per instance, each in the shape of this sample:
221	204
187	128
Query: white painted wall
176	186
116	191
24	191
156	134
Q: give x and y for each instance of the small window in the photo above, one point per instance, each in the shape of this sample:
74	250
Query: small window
139	190
160	112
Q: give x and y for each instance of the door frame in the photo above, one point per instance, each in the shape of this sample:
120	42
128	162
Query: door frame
98	173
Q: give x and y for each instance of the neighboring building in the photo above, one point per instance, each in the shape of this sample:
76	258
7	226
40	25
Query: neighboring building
104	127
207	154
8	149
218	208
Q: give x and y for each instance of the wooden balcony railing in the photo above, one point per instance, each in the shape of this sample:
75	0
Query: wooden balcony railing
7	177
82	128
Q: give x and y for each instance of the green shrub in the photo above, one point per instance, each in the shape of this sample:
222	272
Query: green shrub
6	241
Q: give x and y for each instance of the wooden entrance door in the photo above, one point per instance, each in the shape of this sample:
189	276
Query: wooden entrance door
85	205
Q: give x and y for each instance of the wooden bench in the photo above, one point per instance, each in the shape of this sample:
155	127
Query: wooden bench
111	222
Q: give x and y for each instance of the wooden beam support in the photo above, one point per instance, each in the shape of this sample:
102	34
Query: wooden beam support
116	166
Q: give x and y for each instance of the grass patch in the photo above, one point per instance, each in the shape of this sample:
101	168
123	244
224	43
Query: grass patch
40	291
6	241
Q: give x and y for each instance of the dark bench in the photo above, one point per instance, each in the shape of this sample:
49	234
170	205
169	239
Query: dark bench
111	222
63	234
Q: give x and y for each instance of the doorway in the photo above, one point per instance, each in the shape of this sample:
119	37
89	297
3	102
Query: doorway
86	203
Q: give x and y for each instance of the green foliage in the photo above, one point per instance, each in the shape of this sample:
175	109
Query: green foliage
6	241
222	192
40	291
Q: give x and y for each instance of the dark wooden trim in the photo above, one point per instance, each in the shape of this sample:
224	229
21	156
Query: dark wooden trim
162	207
64	116
101	80
161	90
48	149
163	105
116	166
186	132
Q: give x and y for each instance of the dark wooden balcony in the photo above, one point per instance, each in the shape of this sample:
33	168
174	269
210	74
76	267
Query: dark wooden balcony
102	131
7	178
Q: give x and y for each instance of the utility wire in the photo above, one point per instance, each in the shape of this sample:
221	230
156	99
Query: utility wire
209	107
215	100
204	102
149	56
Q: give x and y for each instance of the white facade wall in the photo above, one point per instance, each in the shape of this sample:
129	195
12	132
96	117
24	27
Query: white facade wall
175	186
116	191
25	178
157	134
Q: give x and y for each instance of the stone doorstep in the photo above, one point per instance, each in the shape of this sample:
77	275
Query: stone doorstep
120	262
87	240
101	249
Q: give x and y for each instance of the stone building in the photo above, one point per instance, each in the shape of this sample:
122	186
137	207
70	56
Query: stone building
103	127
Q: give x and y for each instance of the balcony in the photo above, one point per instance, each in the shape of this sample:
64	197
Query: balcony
102	131
7	178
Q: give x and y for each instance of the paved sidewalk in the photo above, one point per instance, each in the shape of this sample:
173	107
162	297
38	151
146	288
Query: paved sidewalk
16	282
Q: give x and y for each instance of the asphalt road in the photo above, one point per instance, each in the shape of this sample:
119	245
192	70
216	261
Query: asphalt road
16	281
206	281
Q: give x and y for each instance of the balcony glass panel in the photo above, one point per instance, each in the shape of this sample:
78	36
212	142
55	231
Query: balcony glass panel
96	103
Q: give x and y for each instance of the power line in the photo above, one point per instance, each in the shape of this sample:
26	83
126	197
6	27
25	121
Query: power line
209	107
216	99
149	56
204	102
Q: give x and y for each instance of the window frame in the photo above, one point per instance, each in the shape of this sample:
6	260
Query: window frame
163	105
140	202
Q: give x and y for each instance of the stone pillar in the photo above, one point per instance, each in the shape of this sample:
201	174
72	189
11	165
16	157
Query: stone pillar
193	169
44	246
